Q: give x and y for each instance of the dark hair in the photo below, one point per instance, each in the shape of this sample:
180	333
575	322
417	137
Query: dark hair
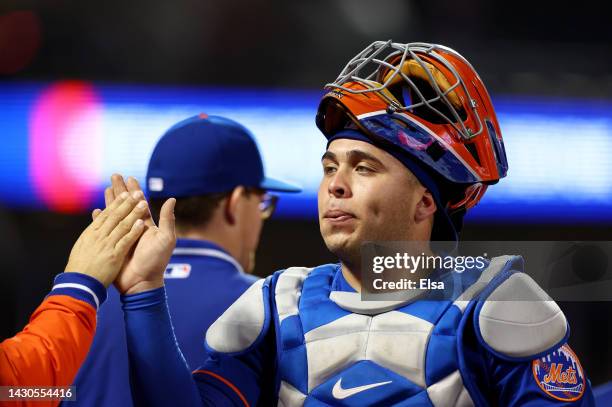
192	211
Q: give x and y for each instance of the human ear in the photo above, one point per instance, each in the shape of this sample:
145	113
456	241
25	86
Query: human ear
232	204
426	207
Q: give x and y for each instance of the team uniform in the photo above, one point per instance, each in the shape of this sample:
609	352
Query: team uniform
51	348
304	337
202	280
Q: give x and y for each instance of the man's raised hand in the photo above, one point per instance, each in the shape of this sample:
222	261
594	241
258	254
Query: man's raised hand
144	267
103	246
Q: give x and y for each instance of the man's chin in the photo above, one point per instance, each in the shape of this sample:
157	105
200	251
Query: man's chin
341	243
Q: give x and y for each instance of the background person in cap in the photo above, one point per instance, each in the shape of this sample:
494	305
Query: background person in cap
213	168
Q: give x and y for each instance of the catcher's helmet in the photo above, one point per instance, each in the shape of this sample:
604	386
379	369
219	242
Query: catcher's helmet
428	101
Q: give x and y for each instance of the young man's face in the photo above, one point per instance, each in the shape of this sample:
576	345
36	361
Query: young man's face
365	195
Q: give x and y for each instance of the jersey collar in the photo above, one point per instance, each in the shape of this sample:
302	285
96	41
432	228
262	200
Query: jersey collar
347	298
205	248
339	283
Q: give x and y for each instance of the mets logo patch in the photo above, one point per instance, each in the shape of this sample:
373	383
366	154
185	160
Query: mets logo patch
560	375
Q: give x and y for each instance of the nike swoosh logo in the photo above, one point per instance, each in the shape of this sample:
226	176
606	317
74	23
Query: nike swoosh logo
339	393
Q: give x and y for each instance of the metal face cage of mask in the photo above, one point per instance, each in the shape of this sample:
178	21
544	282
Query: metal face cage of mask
385	64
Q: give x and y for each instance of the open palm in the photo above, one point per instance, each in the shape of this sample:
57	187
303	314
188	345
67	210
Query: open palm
144	267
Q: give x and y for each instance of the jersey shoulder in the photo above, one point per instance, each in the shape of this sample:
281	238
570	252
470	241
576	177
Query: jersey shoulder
245	323
516	319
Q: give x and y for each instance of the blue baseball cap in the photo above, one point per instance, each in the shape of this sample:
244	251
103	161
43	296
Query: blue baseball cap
207	154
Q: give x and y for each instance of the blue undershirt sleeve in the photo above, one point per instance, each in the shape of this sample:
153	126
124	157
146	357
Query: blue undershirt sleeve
159	375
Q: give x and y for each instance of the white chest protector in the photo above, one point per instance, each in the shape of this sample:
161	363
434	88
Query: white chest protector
334	349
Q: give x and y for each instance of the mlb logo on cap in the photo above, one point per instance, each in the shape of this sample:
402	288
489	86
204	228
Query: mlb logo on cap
207	154
156	184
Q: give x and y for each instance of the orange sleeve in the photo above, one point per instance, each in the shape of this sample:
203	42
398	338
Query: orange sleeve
51	348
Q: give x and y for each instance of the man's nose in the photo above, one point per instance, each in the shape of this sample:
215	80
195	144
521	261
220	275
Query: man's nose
339	186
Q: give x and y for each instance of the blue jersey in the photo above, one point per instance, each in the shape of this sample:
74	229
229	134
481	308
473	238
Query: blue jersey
304	337
202	281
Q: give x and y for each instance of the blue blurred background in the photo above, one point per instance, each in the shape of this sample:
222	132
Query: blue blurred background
87	88
68	137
